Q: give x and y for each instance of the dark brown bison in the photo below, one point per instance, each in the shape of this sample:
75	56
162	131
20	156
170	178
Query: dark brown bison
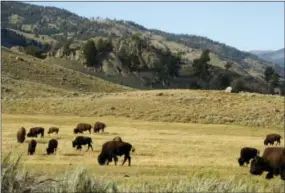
32	147
52	146
246	154
118	138
271	138
53	130
81	140
21	135
99	126
272	161
82	127
35	131
112	149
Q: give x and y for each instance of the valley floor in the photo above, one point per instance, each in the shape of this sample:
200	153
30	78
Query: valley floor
165	152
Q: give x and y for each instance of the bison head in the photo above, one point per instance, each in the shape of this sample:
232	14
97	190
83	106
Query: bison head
257	166
30	135
73	143
240	161
75	131
265	142
101	159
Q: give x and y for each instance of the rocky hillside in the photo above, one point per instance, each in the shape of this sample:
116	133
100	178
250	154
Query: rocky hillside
133	51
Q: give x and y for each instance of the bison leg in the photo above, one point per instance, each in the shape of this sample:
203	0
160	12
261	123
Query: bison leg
269	175
89	145
115	159
129	160
125	159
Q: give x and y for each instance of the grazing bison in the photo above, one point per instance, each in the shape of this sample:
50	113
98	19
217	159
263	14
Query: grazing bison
21	135
52	146
246	154
32	147
53	130
81	140
112	149
35	131
272	161
99	126
82	127
271	138
118	138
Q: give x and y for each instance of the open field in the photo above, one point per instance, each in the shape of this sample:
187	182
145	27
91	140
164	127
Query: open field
165	152
187	106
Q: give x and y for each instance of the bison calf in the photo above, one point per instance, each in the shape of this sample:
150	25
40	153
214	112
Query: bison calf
246	154
52	146
112	149
53	130
99	126
271	138
82	127
32	147
35	131
272	161
81	140
21	135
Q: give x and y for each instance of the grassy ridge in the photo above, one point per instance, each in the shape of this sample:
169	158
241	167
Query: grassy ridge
18	78
187	106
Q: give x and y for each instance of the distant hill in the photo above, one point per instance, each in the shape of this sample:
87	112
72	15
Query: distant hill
135	56
276	57
35	78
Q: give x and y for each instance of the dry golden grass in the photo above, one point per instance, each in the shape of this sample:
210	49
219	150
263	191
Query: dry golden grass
22	78
187	106
165	152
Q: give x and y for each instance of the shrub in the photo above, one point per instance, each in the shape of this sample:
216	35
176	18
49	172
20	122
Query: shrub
15	180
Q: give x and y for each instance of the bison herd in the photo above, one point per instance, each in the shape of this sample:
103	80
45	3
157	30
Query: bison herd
271	161
110	149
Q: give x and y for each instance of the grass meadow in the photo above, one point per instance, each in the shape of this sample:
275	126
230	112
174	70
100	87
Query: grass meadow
169	157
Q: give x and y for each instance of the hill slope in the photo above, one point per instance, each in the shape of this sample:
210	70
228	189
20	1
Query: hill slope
57	23
277	57
26	76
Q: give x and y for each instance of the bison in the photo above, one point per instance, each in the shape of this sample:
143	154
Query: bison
81	140
246	154
82	127
271	138
35	131
52	146
21	135
32	147
118	138
112	149
53	130
99	126
272	161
